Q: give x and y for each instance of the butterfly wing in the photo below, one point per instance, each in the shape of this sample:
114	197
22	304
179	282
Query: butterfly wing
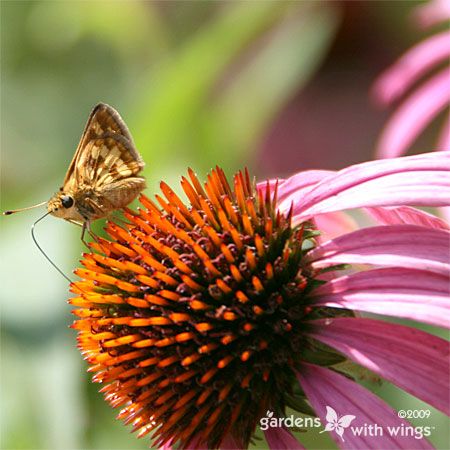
104	126
106	160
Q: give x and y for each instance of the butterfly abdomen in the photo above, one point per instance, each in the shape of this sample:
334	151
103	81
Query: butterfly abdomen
120	193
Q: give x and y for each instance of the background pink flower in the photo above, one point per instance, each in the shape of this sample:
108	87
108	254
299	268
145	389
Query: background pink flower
424	72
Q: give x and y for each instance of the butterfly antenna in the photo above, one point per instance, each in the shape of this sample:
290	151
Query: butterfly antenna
13	211
42	251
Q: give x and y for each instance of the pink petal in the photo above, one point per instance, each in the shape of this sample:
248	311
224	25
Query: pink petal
406	215
445	213
324	387
422	180
262	185
334	224
414	115
394	82
407	246
412	359
432	13
300	182
414	294
281	439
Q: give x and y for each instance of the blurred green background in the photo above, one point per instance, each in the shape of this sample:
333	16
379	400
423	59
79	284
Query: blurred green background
276	86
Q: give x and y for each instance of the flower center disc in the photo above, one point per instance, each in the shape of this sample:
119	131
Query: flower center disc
192	316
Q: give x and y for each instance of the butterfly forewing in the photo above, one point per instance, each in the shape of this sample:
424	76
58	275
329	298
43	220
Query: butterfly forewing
103	119
103	175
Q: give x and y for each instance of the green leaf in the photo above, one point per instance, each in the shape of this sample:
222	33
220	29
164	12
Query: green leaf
174	122
284	62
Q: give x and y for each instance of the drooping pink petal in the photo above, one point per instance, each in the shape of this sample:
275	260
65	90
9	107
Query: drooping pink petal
417	61
408	246
413	115
262	185
421	180
432	12
323	387
281	439
406	215
300	182
334	224
413	294
331	224
445	212
410	358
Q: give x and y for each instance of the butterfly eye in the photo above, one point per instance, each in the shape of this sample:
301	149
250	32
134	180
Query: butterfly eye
67	201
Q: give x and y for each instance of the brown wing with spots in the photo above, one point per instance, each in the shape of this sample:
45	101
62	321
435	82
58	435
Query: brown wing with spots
106	160
104	130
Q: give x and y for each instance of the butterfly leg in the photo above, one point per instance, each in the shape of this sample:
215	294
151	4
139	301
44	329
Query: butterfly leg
85	225
93	236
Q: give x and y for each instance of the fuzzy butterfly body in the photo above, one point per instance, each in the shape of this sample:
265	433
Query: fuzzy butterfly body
103	174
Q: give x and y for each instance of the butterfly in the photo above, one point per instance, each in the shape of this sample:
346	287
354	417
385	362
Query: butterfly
103	175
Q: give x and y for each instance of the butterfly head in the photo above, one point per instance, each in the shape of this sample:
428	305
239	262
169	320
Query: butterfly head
62	205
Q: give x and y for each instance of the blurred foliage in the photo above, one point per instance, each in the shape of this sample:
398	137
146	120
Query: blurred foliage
198	84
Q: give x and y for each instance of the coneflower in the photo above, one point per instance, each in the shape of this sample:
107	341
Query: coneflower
200	318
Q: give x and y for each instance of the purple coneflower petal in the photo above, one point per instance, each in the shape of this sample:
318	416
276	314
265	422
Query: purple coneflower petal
300	182
406	215
394	82
330	224
323	387
414	294
334	224
281	439
414	115
445	212
432	12
407	246
412	180
271	183
412	359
